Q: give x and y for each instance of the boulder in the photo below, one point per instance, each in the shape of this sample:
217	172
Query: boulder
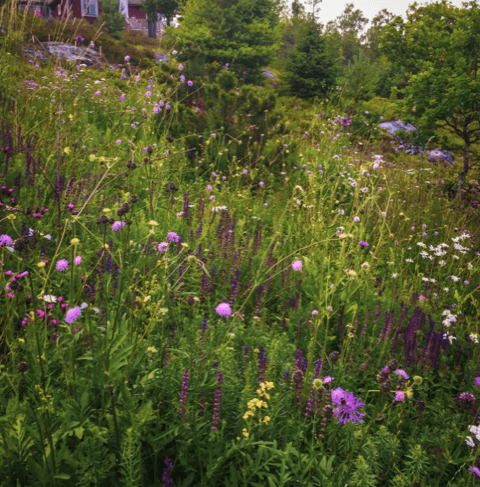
61	50
396	125
434	155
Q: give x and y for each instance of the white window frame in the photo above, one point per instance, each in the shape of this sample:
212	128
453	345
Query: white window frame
90	8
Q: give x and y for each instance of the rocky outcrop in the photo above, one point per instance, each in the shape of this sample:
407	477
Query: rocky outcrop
50	51
435	155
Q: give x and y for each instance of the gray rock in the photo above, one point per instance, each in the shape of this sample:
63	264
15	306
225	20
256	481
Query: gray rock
60	50
396	125
441	155
432	155
269	74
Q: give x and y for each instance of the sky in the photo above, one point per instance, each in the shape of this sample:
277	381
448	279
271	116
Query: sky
330	9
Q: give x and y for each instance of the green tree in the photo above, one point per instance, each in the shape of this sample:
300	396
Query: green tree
348	28
438	48
151	9
371	39
242	33
114	20
311	68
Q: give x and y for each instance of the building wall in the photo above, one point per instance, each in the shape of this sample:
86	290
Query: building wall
135	12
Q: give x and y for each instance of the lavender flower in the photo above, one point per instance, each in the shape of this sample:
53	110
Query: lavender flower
348	406
117	225
77	260
224	310
73	314
477	381
62	265
162	246
297	265
5	240
172	237
400	396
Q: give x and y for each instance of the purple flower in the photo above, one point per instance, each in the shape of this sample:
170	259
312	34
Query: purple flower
475	470
117	225
5	240
162	246
167	106
119	141
122	97
363	244
297	265
261	183
245	171
172	237
97	93
402	373
190	83
400	396
424	234
127	58
148	94
477	381
77	260
216	404
180	67
412	229
348	406
183	396
62	265
167	473
224	310
182	78
73	314
314	312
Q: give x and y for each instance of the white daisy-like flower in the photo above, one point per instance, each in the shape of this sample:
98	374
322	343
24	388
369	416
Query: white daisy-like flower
49	298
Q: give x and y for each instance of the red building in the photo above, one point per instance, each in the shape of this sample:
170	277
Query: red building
90	10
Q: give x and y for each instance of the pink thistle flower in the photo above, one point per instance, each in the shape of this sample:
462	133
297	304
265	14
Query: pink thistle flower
162	246
62	265
400	396
224	310
297	265
77	260
73	315
117	225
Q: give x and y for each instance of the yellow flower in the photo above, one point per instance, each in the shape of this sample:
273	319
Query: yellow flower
91	157
66	150
317	383
245	432
11	217
266	419
147	299
74	241
153	223
41	264
70	117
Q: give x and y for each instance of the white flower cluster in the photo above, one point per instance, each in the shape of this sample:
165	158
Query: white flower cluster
449	318
474	337
450	338
476	431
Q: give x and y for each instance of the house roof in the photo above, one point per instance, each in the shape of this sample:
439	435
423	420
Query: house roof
134	2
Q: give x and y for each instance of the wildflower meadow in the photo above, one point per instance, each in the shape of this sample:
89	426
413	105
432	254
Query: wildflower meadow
205	282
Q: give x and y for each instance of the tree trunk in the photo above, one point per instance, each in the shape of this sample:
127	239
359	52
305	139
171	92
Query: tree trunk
462	176
152	29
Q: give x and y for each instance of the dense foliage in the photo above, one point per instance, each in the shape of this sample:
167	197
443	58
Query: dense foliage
207	283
